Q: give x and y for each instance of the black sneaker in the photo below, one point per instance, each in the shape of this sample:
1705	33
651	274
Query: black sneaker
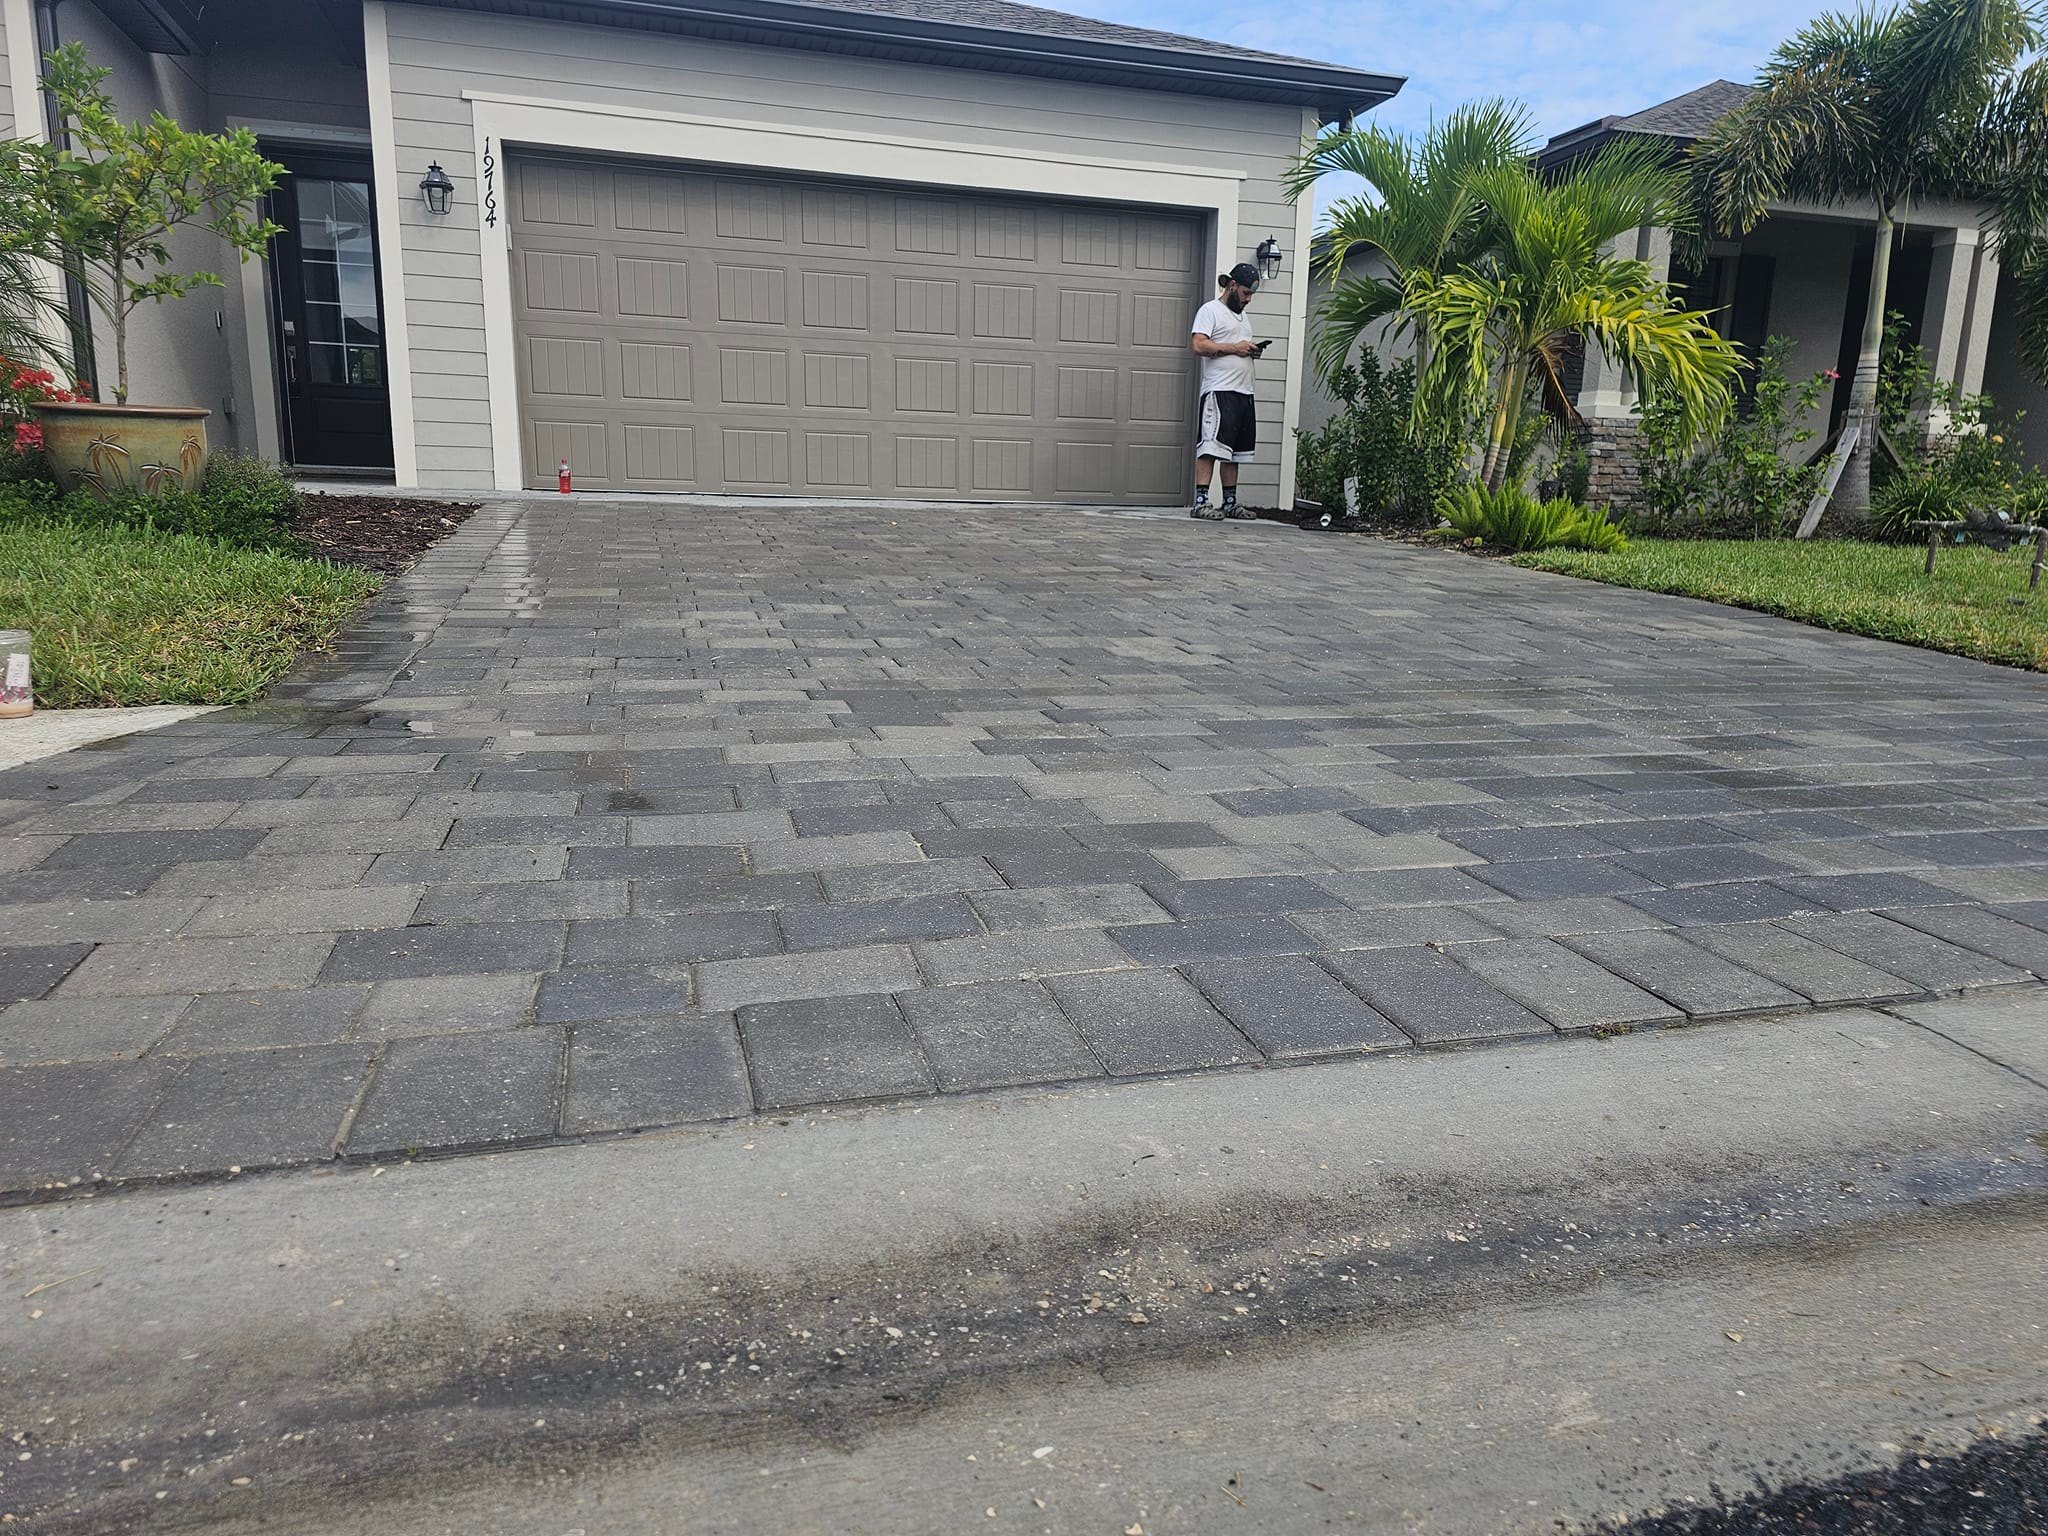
1205	511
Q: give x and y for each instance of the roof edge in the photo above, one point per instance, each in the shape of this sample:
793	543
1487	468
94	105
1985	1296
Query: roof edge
1333	89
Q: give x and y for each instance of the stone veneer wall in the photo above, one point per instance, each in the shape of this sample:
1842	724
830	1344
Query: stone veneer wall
1617	473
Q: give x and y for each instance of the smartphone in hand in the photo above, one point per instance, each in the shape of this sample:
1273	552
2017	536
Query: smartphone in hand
1259	348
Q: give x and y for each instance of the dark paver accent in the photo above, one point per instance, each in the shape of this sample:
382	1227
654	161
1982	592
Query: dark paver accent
1550	879
1081	867
1290	1006
826	1050
1210	938
839	925
70	1121
1697	980
1566	915
673	938
1249	896
996	1035
1704	866
1141	1022
1565	987
1434	1000
1931	963
252	1109
1812	970
612	992
453	950
94	848
525	902
1390	927
1658	836
628	1073
1867	892
1409	888
1737	902
28	971
1501	845
446	1091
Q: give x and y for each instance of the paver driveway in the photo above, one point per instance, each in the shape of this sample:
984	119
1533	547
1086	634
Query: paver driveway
614	815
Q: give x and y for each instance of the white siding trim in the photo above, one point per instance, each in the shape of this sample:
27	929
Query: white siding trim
1297	362
24	76
390	242
606	129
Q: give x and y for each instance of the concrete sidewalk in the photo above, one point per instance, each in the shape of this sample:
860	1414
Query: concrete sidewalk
1504	1291
619	815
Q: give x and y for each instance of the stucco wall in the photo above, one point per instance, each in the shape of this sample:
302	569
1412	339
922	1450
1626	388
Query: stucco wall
435	55
1318	405
2011	386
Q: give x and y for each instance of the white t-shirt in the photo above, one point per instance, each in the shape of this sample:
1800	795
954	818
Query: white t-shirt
1224	325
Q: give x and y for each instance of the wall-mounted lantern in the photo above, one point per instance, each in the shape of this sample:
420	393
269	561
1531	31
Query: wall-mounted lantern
436	190
1269	257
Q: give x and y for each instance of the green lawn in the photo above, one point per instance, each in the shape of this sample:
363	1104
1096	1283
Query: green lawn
1965	608
131	616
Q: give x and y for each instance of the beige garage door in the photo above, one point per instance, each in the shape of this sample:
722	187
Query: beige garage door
693	330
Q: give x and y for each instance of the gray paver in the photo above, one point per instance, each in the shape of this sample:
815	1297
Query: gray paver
71	1121
306	911
996	1035
1736	902
34	923
1290	1006
885	882
239	877
1409	888
1907	952
1985	932
199	965
1565	987
441	1005
831	1049
1149	1021
1867	892
448	1091
1390	927
525	901
1253	896
249	1021
467	866
254	1109
85	1028
677	938
1697	980
1812	970
1020	956
1551	879
629	1073
1567	915
855	850
1067	906
725	985
1434	1000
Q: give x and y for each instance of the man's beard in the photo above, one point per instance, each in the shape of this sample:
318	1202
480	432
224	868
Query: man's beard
1236	301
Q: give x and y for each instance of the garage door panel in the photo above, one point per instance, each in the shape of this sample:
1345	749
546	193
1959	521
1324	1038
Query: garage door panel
688	329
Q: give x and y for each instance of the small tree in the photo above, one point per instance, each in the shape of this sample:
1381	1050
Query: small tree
111	199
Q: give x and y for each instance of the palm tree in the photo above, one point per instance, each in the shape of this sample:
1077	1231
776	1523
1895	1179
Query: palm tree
1546	287
1881	107
1417	214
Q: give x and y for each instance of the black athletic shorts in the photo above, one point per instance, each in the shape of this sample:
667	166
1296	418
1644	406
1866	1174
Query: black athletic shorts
1229	427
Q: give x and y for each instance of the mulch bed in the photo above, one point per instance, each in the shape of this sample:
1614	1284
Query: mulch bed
378	533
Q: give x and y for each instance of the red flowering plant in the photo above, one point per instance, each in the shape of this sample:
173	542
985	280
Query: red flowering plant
23	386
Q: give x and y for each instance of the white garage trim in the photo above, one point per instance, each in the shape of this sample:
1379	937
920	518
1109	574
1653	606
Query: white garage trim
24	71
603	129
390	194
1297	361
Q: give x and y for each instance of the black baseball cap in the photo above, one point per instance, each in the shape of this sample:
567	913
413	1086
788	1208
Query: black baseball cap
1244	274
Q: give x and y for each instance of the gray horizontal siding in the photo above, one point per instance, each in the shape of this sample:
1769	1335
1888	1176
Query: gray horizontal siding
438	54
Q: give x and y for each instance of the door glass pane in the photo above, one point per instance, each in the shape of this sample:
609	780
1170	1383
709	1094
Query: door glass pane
340	276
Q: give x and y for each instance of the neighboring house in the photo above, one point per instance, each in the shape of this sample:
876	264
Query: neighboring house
1803	273
931	249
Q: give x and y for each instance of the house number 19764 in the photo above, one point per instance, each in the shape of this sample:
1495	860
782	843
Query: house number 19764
490	187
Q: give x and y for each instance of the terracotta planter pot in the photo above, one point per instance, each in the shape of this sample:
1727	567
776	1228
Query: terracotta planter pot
114	450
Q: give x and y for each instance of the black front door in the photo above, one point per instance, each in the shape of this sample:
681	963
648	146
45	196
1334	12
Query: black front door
329	324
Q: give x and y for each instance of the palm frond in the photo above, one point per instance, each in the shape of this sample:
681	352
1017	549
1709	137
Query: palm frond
1805	133
1354	305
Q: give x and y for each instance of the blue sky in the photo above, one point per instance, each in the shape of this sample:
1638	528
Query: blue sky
1570	60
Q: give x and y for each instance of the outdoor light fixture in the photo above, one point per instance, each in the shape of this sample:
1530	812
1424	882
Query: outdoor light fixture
1269	257
437	191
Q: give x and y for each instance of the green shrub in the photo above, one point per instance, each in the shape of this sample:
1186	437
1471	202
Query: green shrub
1401	468
246	503
1512	519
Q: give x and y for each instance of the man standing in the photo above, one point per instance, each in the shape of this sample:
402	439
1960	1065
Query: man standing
1228	432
